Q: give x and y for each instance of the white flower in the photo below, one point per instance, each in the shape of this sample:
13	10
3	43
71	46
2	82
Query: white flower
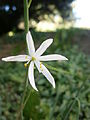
35	57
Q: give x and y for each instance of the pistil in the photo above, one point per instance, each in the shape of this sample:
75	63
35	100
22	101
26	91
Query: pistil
33	58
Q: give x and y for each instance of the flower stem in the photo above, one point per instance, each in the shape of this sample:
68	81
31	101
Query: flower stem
20	112
29	4
26	16
26	23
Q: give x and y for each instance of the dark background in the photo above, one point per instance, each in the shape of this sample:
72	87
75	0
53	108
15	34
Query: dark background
12	10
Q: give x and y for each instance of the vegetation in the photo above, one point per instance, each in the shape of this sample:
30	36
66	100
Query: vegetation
70	100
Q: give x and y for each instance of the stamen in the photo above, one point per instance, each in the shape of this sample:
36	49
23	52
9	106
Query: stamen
25	65
26	57
41	66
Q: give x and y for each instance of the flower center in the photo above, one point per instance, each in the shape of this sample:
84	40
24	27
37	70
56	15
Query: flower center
26	64
33	58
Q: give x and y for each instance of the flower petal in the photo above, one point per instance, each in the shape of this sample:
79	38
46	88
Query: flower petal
52	57
43	47
37	63
31	75
30	43
19	58
46	73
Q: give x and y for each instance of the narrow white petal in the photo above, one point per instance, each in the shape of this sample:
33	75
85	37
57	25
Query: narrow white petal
46	73
31	75
30	43
52	57
19	58
43	47
37	63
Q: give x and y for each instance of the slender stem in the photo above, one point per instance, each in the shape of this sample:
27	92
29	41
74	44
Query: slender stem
26	100
24	93
26	22
23	103
29	4
20	112
26	16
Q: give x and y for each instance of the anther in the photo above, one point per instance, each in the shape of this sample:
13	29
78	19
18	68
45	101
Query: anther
25	65
41	66
26	57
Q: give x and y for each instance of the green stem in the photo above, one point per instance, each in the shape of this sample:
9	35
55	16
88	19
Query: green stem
29	4
26	100
20	112
24	93
23	103
26	22
26	16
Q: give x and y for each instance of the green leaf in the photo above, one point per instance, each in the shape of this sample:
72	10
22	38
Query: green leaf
32	108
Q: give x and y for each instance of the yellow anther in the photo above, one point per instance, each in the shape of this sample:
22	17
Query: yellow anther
25	65
33	58
26	57
40	63
41	66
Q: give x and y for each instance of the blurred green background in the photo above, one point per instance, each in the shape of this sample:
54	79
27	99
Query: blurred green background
70	100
